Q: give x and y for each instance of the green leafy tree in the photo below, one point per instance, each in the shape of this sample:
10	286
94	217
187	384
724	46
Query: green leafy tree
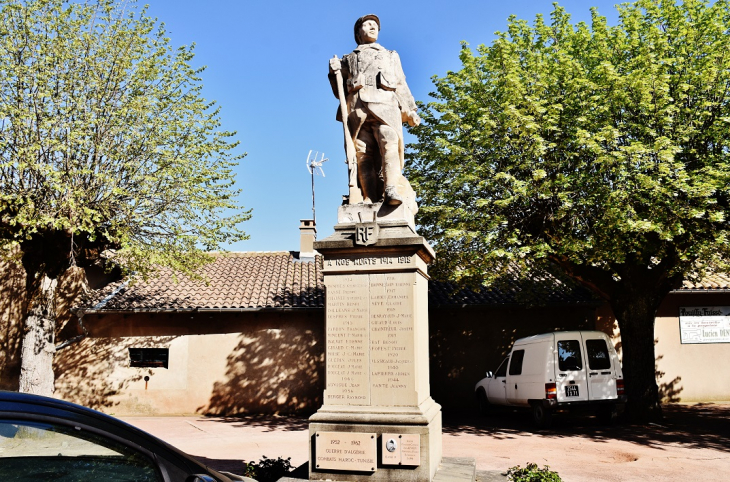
601	150
106	149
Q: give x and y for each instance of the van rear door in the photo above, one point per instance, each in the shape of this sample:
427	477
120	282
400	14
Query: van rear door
570	374
601	372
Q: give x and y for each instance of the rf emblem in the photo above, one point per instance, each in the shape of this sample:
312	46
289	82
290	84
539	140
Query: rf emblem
366	234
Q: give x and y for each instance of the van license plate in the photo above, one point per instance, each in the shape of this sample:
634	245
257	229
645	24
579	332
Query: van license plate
571	391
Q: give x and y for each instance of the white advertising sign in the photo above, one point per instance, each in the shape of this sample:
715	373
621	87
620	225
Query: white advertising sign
704	324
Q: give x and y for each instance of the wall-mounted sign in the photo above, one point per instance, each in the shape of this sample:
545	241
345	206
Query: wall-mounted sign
346	451
704	324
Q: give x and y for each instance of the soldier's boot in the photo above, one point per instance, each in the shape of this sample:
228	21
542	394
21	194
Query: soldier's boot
392	197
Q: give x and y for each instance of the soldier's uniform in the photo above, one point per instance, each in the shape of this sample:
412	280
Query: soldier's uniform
378	102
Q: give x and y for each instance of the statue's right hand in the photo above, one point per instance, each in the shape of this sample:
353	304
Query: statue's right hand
335	64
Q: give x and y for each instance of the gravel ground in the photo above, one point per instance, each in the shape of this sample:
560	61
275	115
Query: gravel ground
691	443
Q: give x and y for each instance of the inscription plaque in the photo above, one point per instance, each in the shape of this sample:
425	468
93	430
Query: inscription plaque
347	340
401	449
392	378
370	263
346	451
411	449
370	341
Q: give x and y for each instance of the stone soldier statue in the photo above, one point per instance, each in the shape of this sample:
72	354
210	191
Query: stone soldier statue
378	101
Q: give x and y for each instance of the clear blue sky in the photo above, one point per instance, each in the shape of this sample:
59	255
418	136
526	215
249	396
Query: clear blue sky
267	69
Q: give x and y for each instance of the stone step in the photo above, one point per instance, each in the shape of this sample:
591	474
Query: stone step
451	469
456	469
491	476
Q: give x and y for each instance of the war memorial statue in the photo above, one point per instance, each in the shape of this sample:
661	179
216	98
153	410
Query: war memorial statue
377	420
375	101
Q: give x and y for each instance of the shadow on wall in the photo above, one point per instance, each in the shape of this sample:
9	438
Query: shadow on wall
669	391
607	323
271	370
13	306
86	372
466	343
71	285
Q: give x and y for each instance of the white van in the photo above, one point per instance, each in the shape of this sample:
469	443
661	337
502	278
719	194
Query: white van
556	371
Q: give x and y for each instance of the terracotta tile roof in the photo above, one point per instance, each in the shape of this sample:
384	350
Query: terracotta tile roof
545	290
236	281
715	281
278	280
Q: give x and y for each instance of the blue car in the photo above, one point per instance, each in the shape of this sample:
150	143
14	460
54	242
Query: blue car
43	439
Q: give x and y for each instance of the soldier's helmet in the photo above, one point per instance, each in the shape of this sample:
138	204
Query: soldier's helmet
361	20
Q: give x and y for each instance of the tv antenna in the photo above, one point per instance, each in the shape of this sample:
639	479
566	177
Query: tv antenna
312	166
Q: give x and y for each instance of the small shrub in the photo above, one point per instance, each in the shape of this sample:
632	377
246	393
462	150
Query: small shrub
532	473
268	470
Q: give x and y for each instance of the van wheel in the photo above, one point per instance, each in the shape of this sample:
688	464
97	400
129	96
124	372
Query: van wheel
607	415
542	416
483	404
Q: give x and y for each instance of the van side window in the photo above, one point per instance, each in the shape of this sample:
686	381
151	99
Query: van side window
597	352
515	366
502	370
569	355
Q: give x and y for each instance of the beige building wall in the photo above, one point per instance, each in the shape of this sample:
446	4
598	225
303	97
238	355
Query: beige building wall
690	372
253	364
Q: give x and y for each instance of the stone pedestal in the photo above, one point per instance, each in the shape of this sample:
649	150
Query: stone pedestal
378	420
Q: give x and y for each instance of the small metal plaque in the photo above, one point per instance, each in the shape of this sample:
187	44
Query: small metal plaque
401	449
351	451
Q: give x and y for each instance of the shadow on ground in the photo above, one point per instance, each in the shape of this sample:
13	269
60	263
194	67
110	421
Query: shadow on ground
271	423
701	425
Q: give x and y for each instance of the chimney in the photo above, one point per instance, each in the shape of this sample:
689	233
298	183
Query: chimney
307	237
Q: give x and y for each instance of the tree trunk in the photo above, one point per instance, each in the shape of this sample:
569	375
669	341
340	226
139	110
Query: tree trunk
635	314
36	368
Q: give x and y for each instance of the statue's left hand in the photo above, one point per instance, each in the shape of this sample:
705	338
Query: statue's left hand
335	64
413	119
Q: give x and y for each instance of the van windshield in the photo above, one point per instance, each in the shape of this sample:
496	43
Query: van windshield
569	357
502	370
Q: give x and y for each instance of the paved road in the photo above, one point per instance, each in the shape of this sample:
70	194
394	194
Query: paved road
692	443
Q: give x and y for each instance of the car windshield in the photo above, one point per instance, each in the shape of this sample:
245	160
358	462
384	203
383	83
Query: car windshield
45	451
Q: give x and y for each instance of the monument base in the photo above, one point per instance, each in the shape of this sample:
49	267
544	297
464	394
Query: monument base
420	428
378	420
